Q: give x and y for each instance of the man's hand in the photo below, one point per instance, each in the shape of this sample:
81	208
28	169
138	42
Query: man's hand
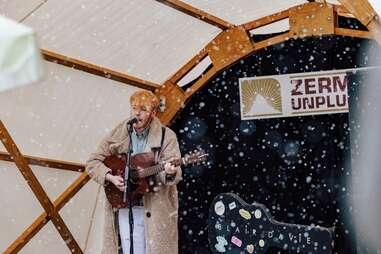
169	168
118	181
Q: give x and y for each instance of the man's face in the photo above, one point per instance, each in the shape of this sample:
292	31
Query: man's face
144	114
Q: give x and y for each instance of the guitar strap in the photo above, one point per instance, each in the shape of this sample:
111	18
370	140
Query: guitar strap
162	140
157	151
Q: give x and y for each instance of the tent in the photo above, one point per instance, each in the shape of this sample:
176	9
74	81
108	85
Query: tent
97	53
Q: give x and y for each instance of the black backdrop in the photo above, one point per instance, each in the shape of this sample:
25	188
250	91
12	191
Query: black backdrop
295	166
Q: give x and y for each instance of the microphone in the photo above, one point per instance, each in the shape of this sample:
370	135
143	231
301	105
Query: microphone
132	121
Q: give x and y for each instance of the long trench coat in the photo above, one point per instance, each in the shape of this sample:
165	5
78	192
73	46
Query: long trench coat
161	208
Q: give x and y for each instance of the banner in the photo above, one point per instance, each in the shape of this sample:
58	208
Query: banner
294	94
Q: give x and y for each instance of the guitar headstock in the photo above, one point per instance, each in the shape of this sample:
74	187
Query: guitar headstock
198	156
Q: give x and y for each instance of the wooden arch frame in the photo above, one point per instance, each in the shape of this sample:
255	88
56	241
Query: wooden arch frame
228	47
234	43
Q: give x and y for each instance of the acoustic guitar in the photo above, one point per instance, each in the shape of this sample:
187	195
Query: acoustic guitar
142	173
237	227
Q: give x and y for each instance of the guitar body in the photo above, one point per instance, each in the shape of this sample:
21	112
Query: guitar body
237	227
142	174
117	164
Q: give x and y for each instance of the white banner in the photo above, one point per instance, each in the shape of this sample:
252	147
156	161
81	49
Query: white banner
298	94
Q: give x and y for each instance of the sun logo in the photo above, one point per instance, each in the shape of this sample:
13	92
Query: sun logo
261	97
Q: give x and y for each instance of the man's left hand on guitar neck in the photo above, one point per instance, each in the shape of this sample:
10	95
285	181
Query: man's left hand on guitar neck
170	169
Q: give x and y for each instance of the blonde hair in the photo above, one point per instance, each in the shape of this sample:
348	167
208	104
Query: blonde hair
145	98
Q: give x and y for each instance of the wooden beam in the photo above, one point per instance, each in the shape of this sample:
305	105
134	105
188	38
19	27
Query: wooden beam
342	11
38	191
266	20
175	99
228	46
312	19
361	9
365	13
197	13
43	219
98	70
271	41
44	162
353	33
189	66
199	84
374	27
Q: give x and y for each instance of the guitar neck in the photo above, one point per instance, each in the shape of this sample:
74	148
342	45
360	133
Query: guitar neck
297	238
153	170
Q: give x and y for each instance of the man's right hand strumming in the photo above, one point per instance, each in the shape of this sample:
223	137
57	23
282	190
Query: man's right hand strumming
118	181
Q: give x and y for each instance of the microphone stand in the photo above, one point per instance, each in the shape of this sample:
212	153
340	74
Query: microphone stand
127	188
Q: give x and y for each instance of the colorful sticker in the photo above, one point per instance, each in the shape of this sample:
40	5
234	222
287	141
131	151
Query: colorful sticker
219	208
258	214
250	248
261	243
232	205
245	214
236	241
220	245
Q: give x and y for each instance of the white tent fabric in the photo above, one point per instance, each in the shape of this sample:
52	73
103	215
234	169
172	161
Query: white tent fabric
143	38
376	4
243	11
64	117
66	114
19	208
20	58
18	9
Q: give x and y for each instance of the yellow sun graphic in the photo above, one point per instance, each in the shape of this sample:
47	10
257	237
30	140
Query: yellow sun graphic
269	89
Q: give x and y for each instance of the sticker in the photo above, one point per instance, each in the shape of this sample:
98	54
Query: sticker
220	246
258	214
250	248
261	243
236	241
218	226
245	214
219	208
232	205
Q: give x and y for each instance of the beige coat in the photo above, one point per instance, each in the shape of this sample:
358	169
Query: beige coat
161	230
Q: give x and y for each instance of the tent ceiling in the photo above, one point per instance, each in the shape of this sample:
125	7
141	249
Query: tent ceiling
143	38
65	114
18	9
241	11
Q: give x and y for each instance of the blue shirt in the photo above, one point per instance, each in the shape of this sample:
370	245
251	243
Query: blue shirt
139	141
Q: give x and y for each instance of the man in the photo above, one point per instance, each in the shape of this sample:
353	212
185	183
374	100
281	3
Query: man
155	221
